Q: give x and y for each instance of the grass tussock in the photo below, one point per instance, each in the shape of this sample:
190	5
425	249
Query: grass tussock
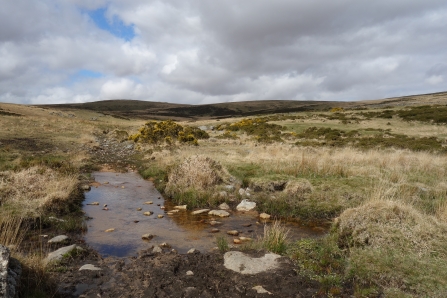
275	238
193	181
31	191
12	230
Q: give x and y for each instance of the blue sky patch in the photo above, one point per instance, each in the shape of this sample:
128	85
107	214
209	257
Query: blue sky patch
82	75
115	26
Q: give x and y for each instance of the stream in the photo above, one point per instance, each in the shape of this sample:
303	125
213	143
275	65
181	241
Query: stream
125	193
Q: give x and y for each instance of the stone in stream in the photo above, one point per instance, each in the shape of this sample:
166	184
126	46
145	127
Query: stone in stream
264	216
93	203
193	251
85	187
164	244
245	239
224	206
89	267
200	211
237	241
148	213
215	223
157	249
139	209
147	236
233	233
180	207
148	203
215	230
160	216
58	239
221	213
109	230
246	205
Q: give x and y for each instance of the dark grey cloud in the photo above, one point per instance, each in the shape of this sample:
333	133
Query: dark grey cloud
212	51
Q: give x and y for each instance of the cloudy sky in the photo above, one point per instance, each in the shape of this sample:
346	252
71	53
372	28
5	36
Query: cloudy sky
203	51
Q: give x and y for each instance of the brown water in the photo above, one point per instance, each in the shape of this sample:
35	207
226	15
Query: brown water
125	192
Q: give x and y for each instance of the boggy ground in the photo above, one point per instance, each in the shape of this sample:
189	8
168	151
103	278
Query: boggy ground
165	275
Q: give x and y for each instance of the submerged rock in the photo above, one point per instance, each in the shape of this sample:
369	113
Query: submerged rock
148	213
180	207
221	213
200	211
233	233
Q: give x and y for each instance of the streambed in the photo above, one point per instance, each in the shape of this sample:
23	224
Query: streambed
124	193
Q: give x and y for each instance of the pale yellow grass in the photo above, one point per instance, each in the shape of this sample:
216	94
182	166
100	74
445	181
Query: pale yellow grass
31	191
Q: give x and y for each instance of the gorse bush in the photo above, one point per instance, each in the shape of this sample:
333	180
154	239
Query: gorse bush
258	128
168	131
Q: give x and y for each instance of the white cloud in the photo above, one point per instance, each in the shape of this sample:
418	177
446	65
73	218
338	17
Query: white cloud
435	80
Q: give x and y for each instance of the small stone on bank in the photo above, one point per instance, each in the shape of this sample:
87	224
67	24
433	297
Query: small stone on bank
147	236
192	251
139	209
224	206
233	233
261	290
89	267
58	239
160	216
215	230
157	249
237	241
148	213
264	216
189	272
109	230
246	205
181	207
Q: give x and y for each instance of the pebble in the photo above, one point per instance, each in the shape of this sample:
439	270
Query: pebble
233	233
264	216
221	213
245	239
148	203
164	244
58	239
224	206
122	187
189	272
139	209
162	207
110	230
181	207
147	236
215	230
157	249
215	223
261	290
237	241
93	203
89	267
148	213
160	216
192	251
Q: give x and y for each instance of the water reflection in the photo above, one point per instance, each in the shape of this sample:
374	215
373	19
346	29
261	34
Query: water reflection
124	193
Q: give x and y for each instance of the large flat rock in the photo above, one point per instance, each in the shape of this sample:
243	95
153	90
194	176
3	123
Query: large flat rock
244	264
57	255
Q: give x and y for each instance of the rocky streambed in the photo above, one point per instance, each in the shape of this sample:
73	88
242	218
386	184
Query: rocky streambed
122	207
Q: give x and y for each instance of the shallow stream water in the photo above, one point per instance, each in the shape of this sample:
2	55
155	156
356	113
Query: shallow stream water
124	193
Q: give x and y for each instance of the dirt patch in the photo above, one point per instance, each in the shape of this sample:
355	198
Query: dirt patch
165	275
25	144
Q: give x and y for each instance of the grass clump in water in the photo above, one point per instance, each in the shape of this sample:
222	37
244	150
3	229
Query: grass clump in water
275	238
222	244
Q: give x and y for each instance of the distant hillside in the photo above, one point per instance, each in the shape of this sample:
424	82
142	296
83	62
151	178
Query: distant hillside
162	110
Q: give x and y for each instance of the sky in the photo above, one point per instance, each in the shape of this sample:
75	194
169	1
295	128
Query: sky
203	51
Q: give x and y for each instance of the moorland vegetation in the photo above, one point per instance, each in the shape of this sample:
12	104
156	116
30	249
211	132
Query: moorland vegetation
376	176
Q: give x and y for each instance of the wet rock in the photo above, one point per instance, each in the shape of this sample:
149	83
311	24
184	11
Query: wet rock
215	230
180	207
89	267
193	251
139	209
148	203
164	244
147	236
221	213
261	290
200	211
241	263
160	216
233	233
189	272
93	203
264	216
148	213
174	211
246	205
85	187
237	241
58	239
157	249
109	230
215	223
224	206
162	207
